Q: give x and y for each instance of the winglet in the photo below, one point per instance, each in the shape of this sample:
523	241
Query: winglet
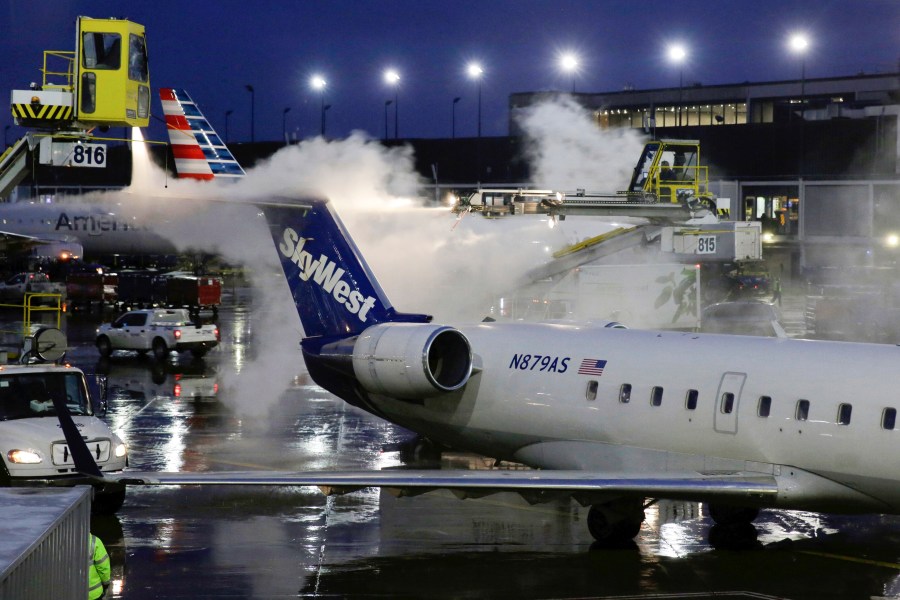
334	290
199	152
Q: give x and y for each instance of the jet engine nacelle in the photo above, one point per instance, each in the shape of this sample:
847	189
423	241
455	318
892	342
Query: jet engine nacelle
411	360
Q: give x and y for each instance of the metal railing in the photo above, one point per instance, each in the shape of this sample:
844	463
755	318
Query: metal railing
46	556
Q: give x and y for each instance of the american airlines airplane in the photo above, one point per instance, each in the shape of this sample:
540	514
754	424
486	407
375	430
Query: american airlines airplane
616	418
119	223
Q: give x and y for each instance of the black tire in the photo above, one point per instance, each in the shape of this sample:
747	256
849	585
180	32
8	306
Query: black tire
104	346
160	350
608	525
724	514
108	502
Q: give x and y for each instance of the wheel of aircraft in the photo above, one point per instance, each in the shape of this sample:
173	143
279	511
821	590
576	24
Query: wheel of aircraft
616	521
724	514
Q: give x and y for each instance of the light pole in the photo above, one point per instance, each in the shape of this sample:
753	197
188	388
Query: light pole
386	104
227	114
453	116
392	77
677	54
475	72
799	43
252	112
318	83
284	113
568	62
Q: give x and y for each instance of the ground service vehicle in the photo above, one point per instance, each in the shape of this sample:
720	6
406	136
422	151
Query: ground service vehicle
103	83
15	288
668	182
89	287
157	330
32	444
192	292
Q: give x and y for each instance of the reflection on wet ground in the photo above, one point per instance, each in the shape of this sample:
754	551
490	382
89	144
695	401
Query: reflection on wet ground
233	542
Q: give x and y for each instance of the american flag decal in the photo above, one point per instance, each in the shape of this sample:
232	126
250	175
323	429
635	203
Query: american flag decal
592	366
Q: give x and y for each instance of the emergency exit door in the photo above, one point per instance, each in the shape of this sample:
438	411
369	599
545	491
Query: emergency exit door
727	401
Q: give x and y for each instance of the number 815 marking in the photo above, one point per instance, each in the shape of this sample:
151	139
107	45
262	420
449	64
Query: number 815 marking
540	362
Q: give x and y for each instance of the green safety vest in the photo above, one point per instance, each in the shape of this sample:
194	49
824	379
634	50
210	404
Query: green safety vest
98	568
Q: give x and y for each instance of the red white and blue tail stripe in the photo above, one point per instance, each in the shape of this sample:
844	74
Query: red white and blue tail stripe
198	150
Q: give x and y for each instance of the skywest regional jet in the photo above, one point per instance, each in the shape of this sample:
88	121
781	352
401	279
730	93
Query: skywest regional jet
609	416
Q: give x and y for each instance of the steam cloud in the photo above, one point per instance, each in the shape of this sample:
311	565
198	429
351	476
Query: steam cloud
567	150
424	260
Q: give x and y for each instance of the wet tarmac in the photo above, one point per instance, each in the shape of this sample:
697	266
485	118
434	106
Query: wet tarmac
233	542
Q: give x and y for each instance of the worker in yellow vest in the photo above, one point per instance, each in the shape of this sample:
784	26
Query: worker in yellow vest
98	569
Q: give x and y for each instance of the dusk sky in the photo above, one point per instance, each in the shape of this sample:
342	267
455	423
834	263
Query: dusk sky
214	49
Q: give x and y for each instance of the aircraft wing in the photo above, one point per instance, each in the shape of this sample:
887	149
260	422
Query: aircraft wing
9	240
18	242
690	485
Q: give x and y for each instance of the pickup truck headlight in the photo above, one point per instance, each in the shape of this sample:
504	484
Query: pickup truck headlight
121	450
24	457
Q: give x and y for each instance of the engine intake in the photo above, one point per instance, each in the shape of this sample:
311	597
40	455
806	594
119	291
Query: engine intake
412	360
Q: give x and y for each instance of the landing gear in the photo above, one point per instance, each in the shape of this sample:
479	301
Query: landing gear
724	514
733	529
617	521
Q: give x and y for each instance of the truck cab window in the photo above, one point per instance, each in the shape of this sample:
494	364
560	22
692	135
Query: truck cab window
101	51
137	59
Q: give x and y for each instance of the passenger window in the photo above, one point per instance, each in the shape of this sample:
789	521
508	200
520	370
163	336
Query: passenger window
690	401
765	406
625	393
727	403
591	393
844	411
656	396
889	418
802	410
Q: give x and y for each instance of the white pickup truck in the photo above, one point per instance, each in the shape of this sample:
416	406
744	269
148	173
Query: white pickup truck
15	288
32	444
157	330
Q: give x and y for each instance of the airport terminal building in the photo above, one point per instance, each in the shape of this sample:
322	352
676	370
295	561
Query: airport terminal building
816	160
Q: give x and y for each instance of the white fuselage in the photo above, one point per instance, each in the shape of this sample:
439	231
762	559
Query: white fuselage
100	227
528	402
